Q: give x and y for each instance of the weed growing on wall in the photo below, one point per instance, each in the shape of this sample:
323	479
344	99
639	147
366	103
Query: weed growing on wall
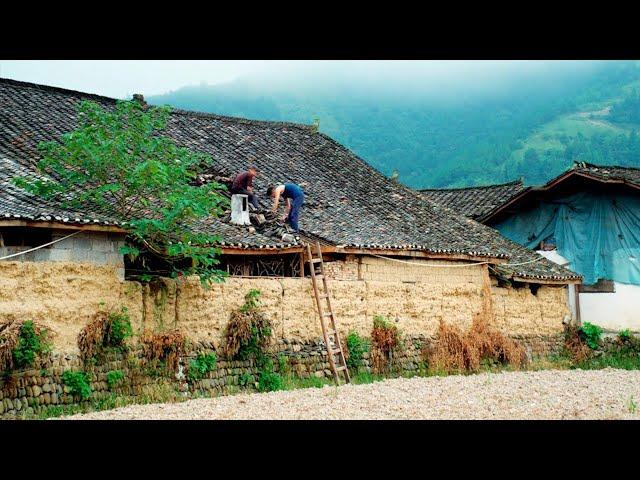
106	331
357	346
386	340
32	342
114	378
591	334
118	329
201	366
78	383
21	343
245	379
625	335
268	380
248	333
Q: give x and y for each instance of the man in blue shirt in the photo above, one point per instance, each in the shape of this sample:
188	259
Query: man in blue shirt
295	198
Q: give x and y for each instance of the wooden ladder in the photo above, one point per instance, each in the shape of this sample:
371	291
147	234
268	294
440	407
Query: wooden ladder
330	332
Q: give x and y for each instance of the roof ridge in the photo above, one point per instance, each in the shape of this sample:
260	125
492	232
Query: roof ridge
580	164
179	111
513	182
275	123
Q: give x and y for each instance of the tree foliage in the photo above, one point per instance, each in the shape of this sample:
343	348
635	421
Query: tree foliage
118	164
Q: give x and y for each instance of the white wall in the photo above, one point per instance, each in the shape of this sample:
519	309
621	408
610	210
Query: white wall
613	311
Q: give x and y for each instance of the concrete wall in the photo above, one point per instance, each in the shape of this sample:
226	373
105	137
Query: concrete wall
612	311
64	296
97	248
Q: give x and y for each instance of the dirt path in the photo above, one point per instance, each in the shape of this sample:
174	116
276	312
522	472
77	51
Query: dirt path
550	394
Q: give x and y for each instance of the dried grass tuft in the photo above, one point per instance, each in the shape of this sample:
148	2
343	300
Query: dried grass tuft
386	340
248	332
238	332
575	345
166	347
456	351
91	337
9	338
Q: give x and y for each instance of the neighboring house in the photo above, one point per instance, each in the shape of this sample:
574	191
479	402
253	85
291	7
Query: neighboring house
427	262
587	218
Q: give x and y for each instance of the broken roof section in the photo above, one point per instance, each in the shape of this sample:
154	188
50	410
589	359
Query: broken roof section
605	173
475	202
348	204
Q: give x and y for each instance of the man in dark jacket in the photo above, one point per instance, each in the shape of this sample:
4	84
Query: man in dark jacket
243	184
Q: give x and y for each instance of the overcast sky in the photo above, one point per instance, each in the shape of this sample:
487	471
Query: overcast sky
122	78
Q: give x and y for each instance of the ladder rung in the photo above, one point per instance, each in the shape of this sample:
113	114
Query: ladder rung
315	260
336	351
327	314
319	275
341	368
323	296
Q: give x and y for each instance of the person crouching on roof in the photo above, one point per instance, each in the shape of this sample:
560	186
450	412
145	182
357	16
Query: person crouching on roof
295	198
243	184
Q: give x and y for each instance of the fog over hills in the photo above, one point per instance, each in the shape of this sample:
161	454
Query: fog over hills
447	123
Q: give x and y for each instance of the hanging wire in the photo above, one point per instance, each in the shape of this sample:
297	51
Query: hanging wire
40	246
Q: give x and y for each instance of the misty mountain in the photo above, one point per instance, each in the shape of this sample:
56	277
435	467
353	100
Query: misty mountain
468	130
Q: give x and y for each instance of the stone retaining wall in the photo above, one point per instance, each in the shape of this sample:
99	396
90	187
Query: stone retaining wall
33	391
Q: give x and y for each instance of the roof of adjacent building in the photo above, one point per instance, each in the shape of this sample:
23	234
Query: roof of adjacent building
482	203
347	202
475	202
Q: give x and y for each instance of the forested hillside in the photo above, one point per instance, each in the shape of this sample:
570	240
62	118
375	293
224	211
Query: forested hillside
531	128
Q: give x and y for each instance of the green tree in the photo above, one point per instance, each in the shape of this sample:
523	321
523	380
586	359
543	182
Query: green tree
117	163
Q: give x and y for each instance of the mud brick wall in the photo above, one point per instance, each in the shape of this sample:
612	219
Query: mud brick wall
420	270
520	312
64	297
348	269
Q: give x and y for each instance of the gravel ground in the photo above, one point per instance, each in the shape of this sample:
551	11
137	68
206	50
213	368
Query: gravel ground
548	394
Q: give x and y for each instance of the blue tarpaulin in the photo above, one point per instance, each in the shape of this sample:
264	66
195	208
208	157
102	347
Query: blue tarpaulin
598	233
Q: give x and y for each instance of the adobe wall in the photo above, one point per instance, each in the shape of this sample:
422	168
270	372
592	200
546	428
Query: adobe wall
64	296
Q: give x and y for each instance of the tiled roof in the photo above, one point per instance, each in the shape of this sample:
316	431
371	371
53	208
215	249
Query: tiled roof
17	204
475	202
347	203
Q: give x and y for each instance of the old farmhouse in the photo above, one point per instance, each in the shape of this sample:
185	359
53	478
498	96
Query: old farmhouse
389	250
587	218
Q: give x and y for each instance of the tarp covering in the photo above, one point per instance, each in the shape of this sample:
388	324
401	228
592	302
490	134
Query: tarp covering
598	233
